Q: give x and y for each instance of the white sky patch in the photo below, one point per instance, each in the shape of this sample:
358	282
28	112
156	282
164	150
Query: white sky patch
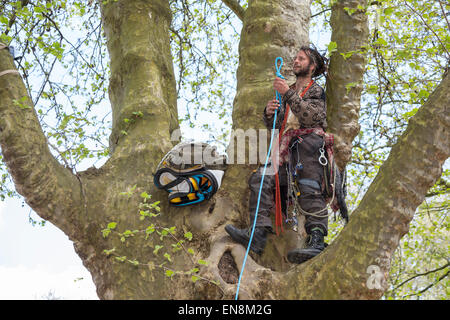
2	205
38	261
25	283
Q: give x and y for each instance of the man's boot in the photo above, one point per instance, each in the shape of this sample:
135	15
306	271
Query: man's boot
313	248
242	236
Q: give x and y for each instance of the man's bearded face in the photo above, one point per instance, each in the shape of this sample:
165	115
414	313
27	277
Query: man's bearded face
302	65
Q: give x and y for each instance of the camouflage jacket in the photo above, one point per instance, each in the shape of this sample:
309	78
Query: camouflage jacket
310	111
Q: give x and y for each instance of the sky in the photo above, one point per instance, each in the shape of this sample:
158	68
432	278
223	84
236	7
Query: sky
37	262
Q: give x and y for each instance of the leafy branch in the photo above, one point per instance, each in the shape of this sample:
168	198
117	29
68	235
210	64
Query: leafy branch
149	210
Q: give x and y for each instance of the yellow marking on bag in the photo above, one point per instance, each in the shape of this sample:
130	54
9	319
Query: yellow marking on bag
191	196
194	183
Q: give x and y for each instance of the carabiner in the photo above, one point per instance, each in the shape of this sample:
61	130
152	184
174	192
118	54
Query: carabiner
322	159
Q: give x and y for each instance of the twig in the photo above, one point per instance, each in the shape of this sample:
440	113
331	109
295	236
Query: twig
236	8
421	274
431	29
319	13
444	14
428	287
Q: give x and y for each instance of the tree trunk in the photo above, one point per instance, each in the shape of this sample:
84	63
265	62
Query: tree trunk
344	83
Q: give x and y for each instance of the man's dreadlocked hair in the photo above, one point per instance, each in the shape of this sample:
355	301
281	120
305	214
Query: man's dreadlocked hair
319	61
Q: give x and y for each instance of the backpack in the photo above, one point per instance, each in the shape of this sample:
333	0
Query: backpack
191	173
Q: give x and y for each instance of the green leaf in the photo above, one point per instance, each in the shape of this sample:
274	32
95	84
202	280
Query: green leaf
193	270
203	262
4	20
169	273
150	229
106	232
389	11
332	47
145	195
134	262
188	235
108	252
423	93
372	89
127	233
168	257
380	41
121	259
347	55
350	85
157	248
112	225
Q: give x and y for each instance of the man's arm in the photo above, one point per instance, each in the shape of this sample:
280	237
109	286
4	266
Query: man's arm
311	110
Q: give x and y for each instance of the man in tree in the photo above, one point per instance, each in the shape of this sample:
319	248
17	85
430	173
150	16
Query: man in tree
302	122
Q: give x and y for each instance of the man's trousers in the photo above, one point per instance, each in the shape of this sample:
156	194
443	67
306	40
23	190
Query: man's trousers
309	178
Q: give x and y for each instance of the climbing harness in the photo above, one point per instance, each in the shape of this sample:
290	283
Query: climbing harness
190	183
10	71
315	185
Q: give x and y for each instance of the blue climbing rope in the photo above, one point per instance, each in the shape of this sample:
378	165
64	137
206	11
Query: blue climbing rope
278	97
279	75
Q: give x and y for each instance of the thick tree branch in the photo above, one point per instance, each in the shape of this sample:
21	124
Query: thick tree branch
142	85
49	188
236	8
350	32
